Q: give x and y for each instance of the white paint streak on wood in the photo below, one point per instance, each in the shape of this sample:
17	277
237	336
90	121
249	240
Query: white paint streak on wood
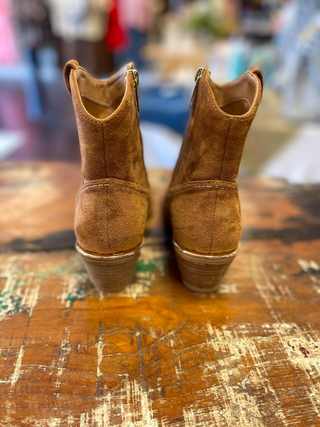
227	288
128	408
102	413
302	350
85	420
31	294
316	284
234	350
177	362
209	328
264	286
146	409
71	286
100	348
65	349
53	422
311	267
153	333
17	368
200	417
142	416
10	295
314	396
189	418
21	288
9	405
242	372
178	369
308	266
31	421
70	420
134	291
153	256
20	292
153	252
130	404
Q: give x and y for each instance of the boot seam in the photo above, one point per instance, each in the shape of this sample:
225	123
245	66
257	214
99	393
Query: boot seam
122	187
225	149
207	184
213	215
216	193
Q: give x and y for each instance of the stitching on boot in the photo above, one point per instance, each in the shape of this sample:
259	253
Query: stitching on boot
215	202
203	186
117	186
225	149
213	215
191	187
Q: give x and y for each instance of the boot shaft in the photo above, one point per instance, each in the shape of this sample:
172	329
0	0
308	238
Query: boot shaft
113	200
108	124
219	122
202	200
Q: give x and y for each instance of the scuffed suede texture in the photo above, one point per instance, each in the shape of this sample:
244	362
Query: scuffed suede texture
113	201
110	216
203	199
194	209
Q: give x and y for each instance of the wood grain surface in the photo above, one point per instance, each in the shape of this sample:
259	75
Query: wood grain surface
157	354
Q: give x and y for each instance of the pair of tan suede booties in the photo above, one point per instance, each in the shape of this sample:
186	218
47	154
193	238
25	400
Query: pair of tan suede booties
202	202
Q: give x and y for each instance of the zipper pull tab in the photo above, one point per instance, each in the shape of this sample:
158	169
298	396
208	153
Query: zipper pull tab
135	75
197	78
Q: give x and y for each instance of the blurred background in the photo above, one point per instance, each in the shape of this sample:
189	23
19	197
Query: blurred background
168	40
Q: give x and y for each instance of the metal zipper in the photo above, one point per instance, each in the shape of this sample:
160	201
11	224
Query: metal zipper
135	75
195	90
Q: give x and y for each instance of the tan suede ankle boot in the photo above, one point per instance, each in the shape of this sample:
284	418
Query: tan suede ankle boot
113	200
202	201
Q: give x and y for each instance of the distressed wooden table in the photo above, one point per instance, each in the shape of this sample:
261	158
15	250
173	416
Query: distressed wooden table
157	354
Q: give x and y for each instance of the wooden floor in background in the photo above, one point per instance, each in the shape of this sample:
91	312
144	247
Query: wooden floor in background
157	354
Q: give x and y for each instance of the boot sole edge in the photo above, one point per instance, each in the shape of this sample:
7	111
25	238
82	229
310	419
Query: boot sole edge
200	272
110	273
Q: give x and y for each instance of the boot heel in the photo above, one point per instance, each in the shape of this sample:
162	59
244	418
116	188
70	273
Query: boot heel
202	273
110	273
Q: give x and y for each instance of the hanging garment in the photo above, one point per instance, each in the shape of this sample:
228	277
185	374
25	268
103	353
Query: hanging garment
92	55
298	42
117	37
137	15
78	19
32	22
8	47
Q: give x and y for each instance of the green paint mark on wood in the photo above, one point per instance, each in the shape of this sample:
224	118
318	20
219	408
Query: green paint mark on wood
77	294
151	266
5	355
